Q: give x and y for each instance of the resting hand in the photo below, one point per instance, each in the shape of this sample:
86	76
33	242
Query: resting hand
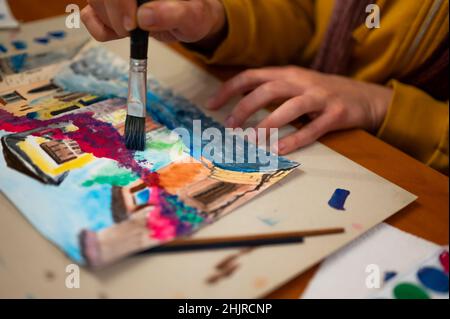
331	102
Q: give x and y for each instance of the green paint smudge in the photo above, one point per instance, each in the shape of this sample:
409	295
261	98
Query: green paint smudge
113	175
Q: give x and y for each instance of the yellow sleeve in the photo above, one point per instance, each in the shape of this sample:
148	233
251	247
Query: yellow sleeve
418	124
264	32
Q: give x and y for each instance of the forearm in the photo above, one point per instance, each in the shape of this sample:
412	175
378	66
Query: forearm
258	33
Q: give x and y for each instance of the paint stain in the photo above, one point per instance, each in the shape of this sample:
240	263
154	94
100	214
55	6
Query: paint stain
358	227
179	295
42	40
338	199
434	279
57	34
260	282
269	221
3	49
409	291
443	259
388	275
227	267
49	275
19	45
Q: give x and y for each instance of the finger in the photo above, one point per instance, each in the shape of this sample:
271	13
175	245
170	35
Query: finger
240	84
164	15
306	135
290	110
163	36
121	14
95	26
100	11
259	98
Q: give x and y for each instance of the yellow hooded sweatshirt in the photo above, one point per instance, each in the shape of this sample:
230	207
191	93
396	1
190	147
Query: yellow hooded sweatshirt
279	32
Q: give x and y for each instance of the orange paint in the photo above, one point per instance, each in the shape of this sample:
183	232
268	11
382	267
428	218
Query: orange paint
176	176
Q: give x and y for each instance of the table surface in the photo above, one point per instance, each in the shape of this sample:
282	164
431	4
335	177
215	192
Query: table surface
428	217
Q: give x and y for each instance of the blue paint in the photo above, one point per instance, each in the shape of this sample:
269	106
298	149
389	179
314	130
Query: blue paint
18	62
32	115
142	197
44	41
338	199
57	34
388	275
19	45
434	279
269	221
3	49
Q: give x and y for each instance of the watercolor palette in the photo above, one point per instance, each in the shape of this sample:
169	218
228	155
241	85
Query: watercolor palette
428	280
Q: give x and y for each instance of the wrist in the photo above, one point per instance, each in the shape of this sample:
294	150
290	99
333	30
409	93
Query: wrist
381	105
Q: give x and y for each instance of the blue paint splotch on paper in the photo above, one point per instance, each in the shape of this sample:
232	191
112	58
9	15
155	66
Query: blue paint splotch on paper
42	40
3	49
19	45
57	34
269	221
339	198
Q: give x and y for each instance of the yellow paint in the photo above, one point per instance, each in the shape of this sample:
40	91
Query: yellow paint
243	177
47	165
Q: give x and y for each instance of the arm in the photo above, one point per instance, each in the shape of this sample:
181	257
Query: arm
261	32
418	125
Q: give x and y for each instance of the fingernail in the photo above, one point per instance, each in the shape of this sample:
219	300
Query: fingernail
230	122
146	17
128	24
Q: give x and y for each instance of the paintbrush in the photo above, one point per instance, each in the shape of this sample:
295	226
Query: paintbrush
296	237
137	89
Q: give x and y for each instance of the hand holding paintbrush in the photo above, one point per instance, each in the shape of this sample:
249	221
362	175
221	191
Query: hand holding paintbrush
137	89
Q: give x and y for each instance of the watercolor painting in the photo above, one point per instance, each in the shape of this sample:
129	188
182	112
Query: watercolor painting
64	164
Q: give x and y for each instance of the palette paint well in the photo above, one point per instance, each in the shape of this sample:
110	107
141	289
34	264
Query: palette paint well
434	279
426	280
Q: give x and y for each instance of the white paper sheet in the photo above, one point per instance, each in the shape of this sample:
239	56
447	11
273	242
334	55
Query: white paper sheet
343	275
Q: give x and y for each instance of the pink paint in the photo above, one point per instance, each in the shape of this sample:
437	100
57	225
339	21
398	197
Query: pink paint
357	227
443	258
161	228
154	196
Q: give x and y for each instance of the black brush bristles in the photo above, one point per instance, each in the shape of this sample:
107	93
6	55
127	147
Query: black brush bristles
135	133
